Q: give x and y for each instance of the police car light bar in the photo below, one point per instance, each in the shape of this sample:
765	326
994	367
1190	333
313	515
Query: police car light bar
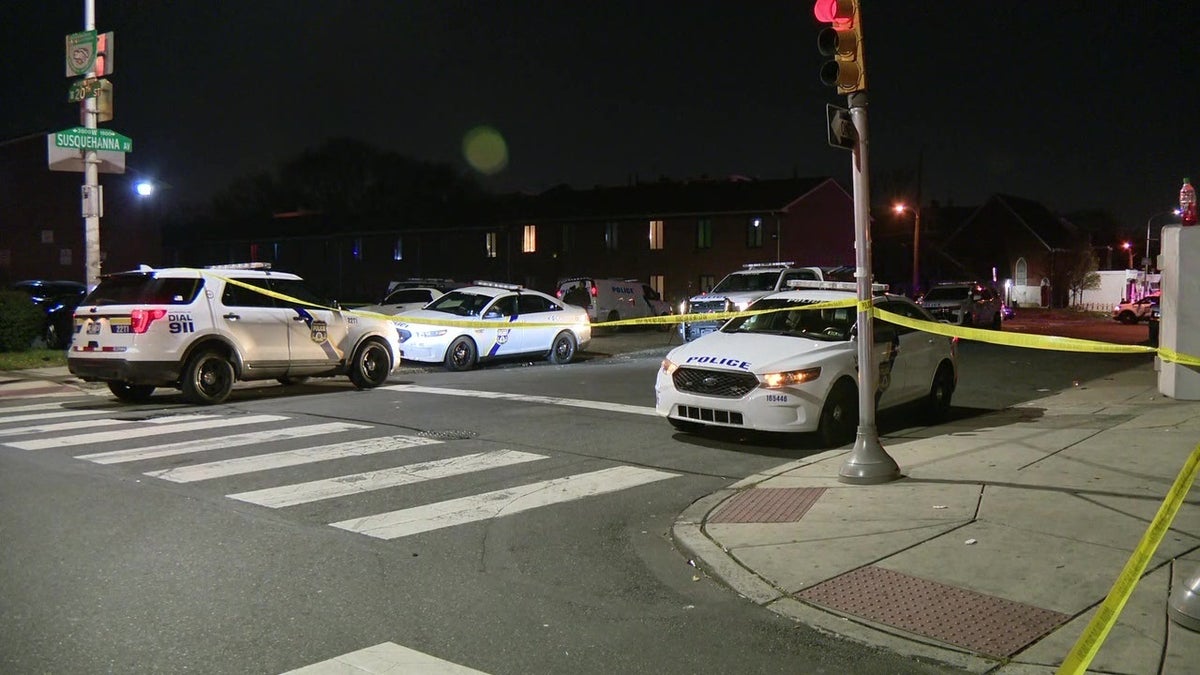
751	266
832	285
497	284
241	266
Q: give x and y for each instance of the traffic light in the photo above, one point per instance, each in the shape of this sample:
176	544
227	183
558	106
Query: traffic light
104	54
843	41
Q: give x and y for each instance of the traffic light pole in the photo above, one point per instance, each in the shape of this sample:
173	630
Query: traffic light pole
868	463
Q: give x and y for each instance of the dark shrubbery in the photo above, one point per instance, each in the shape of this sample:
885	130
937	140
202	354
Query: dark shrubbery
20	321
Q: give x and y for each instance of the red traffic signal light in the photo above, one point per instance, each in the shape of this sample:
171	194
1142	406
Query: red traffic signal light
842	40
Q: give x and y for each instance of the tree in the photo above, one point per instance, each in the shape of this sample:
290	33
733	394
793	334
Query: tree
1079	270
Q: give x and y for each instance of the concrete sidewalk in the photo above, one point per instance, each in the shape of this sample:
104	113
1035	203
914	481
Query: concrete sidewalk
995	549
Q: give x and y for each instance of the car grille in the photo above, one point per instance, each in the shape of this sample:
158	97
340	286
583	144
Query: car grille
714	382
691	412
706	306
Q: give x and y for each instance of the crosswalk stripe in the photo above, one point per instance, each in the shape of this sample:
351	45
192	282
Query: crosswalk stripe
405	522
105	422
29	407
30	417
277	460
301	493
142	431
205	444
526	398
387	657
19	385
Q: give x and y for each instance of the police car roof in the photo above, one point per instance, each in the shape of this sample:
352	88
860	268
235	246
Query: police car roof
189	272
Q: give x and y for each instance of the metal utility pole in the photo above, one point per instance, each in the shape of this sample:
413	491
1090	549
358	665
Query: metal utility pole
916	279
91	200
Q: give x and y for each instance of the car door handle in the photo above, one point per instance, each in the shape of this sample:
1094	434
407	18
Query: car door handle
231	316
297	318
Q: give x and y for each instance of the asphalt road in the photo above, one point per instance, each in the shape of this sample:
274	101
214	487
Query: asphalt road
108	569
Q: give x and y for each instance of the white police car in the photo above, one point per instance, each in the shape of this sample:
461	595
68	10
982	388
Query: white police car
795	369
516	321
200	330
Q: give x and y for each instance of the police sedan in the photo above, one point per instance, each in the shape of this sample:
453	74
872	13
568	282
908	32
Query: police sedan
490	321
794	369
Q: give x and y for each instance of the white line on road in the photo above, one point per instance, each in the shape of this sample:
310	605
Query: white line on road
387	657
157	429
105	422
301	493
526	398
205	444
277	460
500	502
50	415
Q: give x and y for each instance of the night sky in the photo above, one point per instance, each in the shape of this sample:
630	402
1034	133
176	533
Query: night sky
1076	104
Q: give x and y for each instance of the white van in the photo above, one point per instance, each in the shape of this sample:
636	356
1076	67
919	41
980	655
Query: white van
612	299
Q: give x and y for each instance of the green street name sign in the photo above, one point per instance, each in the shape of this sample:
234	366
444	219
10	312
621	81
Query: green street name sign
83	138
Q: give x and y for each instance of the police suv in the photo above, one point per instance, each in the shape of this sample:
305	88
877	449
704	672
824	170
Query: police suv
740	288
200	330
795	369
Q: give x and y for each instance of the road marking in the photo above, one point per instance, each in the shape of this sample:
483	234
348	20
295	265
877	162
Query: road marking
29	407
301	493
142	431
205	444
499	503
525	398
105	422
48	415
387	657
277	460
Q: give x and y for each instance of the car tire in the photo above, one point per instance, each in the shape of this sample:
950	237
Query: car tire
461	355
52	337
207	378
371	365
937	403
562	350
996	321
1127	317
685	426
132	393
839	415
292	380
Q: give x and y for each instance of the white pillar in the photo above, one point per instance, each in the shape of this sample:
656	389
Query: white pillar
1179	329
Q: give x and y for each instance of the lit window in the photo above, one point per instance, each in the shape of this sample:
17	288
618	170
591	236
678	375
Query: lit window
529	243
610	236
704	233
754	233
47	236
64	256
656	234
656	282
490	244
706	282
398	249
253	252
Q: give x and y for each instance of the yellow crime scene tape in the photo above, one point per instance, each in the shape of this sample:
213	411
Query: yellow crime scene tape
1093	636
1089	643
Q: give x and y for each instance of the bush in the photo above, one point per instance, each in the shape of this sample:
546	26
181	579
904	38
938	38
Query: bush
20	321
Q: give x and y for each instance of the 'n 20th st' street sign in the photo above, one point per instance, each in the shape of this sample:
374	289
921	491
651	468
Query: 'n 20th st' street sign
82	138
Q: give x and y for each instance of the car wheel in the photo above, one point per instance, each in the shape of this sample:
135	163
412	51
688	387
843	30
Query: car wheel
293	379
207	378
839	416
684	426
562	350
371	366
1127	317
52	337
133	393
996	321
461	355
937	404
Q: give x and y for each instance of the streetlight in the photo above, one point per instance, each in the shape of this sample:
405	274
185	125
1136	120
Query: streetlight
898	209
1128	249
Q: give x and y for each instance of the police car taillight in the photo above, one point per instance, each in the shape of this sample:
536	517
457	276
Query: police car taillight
593	291
140	319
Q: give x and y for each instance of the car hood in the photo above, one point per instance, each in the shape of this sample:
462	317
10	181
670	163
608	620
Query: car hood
390	310
735	297
756	353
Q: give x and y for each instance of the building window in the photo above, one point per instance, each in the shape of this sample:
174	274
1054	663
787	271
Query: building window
656	235
610	236
704	233
490	244
64	256
529	243
754	233
656	282
1022	273
253	252
706	283
566	237
398	249
47	236
356	248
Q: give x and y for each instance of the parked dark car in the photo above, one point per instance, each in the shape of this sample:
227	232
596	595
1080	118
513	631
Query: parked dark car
58	300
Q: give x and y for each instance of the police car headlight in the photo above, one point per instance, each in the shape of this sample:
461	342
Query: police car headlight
669	366
431	333
791	377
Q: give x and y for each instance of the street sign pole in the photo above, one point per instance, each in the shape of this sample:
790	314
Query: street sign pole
90	199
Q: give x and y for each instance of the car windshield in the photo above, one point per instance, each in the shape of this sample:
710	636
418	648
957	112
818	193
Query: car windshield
947	293
460	303
793	318
759	281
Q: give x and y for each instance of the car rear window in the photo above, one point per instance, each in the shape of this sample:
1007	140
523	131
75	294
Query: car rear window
144	289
